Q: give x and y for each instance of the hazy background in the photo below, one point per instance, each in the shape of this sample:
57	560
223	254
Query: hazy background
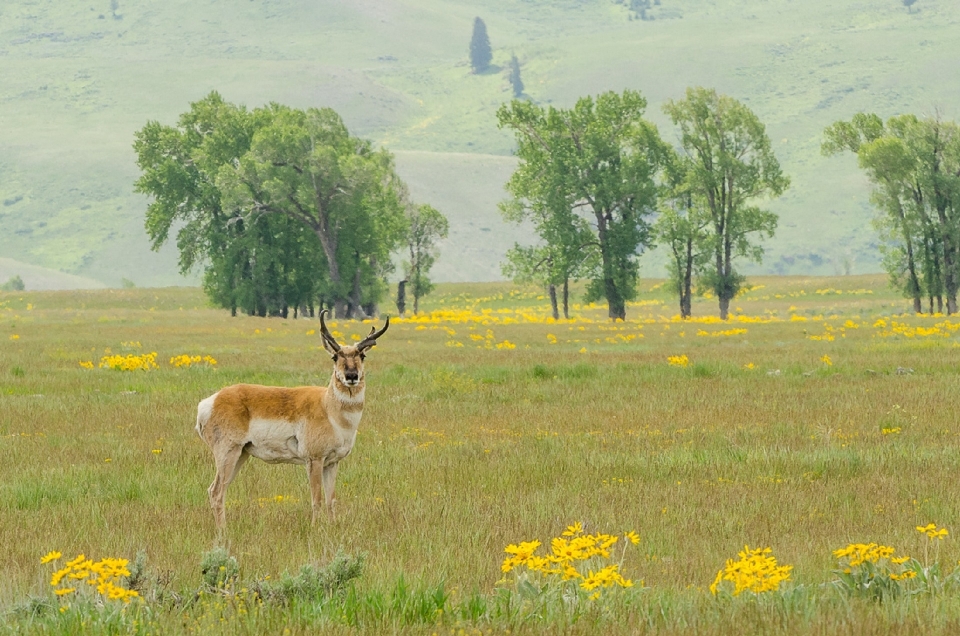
78	79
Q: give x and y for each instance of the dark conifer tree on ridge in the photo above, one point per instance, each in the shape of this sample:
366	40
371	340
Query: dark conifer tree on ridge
480	52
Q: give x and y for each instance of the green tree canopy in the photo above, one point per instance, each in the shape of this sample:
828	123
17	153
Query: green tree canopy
683	227
425	227
730	166
914	165
586	179
276	197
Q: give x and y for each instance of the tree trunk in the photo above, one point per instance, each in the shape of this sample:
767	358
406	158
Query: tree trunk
720	288
685	292
553	301
566	298
402	297
416	302
616	308
329	245
355	308
724	308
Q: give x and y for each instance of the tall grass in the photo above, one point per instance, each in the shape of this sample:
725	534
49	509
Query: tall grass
464	450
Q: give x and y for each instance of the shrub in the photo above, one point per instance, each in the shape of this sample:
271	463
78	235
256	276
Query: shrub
312	582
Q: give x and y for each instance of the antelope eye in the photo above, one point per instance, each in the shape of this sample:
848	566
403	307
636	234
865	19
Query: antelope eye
363	356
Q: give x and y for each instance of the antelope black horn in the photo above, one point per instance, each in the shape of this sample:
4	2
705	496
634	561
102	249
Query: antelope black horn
325	333
371	339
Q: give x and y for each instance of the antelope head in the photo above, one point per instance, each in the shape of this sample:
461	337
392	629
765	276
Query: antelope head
348	359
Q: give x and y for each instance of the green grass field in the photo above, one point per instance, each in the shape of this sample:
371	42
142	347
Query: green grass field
819	416
78	81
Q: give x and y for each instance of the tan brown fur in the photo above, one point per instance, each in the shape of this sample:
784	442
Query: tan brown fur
309	425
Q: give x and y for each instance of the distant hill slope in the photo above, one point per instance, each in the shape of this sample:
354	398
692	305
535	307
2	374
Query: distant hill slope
79	80
40	278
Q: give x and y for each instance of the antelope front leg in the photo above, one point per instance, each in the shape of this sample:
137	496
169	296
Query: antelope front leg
315	473
329	482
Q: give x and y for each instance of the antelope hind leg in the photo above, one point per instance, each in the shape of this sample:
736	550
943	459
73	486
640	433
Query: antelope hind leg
228	465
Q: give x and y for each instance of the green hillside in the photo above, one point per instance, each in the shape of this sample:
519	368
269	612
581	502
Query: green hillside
79	79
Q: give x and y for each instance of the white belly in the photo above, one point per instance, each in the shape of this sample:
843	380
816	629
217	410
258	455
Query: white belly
276	441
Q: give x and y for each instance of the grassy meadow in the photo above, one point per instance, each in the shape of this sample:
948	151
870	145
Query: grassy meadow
820	415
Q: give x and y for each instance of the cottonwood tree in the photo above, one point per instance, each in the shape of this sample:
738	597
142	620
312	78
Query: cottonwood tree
305	165
425	227
179	166
914	165
335	205
480	52
588	173
683	227
731	166
551	265
567	251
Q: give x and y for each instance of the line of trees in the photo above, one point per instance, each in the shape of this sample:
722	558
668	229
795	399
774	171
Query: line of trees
914	166
591	178
283	208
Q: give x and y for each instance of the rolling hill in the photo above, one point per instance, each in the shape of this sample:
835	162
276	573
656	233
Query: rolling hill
80	78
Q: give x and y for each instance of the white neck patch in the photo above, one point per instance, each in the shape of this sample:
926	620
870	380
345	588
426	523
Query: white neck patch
346	398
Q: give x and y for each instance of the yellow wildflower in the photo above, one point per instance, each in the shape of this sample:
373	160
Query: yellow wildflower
932	531
678	361
53	555
575	529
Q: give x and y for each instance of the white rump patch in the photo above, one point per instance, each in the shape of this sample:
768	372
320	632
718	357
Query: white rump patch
204	410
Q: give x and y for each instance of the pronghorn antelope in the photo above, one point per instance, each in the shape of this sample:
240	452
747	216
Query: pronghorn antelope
311	425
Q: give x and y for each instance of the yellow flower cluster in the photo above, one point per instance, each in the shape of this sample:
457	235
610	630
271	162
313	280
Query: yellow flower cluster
756	571
942	329
679	361
574	556
932	531
716	334
129	362
183	360
716	320
866	561
104	575
859	553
